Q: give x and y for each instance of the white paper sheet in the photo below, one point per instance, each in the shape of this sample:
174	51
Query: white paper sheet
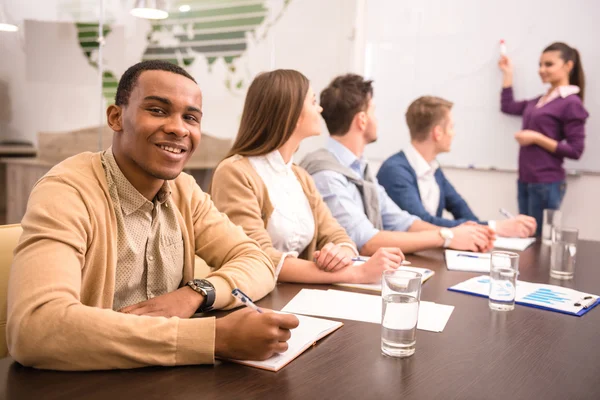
516	244
467	261
376	287
433	317
361	307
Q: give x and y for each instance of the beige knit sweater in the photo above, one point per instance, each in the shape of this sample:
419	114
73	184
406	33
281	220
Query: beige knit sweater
61	285
239	192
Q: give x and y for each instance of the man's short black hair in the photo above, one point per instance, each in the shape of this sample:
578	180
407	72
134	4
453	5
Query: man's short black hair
130	77
346	96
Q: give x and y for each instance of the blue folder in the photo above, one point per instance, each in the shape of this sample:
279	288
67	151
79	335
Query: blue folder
581	312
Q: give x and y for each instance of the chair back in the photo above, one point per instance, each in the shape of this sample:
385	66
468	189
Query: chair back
9	237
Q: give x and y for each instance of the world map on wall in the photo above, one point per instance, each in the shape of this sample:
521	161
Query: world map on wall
214	29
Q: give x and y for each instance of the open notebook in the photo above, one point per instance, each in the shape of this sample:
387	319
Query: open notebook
308	332
517	244
376	287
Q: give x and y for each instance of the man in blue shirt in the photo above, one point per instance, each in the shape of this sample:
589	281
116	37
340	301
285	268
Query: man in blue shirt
414	180
351	191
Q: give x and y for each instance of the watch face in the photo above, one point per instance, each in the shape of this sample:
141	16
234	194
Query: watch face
208	290
204	284
196	285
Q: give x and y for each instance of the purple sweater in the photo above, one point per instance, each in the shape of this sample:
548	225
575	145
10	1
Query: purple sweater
562	119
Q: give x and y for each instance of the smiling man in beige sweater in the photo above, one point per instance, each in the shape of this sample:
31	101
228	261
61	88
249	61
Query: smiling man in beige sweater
103	274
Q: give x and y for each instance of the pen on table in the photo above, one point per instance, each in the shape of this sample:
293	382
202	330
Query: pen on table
238	294
506	213
482	256
365	259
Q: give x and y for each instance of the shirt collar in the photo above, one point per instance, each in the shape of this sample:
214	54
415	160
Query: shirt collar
567	90
130	198
276	161
163	193
346	157
418	163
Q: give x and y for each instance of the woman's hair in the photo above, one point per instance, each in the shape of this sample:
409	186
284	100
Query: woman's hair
568	53
273	105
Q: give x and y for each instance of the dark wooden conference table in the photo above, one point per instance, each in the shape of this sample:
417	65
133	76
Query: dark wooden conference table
482	354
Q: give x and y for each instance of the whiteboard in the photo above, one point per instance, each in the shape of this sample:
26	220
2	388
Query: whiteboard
451	49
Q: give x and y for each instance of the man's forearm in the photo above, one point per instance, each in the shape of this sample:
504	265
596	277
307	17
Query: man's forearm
421	226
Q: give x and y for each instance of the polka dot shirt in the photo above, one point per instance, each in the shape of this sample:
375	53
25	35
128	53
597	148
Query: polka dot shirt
150	244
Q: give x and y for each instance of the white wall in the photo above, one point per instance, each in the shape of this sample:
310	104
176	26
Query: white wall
487	191
450	49
36	105
312	36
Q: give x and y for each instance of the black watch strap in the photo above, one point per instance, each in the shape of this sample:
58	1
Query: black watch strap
205	288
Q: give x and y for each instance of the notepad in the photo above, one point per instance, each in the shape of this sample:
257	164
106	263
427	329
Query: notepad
516	244
545	297
308	332
467	261
362	307
376	287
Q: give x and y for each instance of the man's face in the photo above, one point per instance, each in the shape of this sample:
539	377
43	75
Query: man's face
160	125
447	137
371	130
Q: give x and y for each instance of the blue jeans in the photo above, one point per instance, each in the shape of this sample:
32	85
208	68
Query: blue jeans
535	197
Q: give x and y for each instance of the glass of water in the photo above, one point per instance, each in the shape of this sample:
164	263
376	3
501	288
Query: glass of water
563	253
400	294
552	219
504	269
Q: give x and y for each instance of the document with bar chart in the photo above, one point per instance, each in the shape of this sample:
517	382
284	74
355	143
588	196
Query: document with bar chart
547	297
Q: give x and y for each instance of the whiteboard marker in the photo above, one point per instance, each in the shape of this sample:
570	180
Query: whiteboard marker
502	47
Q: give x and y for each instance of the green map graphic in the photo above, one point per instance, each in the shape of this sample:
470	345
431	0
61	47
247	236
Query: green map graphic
212	28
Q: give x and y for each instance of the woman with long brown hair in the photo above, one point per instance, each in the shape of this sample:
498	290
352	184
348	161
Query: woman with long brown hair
553	128
275	201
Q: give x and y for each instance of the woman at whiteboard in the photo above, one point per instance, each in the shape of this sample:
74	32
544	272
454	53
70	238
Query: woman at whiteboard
553	128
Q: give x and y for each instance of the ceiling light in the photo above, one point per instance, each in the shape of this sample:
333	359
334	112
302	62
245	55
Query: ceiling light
8	27
5	25
184	8
150	9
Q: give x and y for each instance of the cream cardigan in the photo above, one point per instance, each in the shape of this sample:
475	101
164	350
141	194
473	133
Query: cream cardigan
62	279
239	192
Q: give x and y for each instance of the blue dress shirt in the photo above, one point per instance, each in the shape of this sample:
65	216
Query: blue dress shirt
345	201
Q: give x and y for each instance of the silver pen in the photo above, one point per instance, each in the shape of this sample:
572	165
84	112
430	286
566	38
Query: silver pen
506	213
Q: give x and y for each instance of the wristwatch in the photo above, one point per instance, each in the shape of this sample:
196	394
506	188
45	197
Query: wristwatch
447	235
206	289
